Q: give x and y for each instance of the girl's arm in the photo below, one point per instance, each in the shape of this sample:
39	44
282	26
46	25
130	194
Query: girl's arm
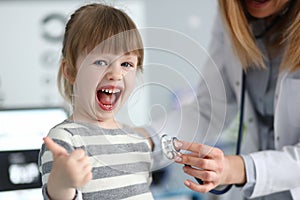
69	171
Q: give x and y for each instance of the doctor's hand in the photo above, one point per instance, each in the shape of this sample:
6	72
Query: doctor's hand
210	165
69	171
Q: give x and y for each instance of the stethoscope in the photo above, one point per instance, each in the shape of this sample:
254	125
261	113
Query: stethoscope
170	151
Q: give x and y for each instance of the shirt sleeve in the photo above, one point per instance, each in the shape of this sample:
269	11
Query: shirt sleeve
78	195
248	188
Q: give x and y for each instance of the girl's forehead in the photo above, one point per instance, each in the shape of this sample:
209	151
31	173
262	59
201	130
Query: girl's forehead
131	55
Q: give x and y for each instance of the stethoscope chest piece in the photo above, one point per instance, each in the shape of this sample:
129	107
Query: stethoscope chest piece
168	147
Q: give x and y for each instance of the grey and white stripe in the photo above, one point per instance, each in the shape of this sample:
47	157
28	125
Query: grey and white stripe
120	158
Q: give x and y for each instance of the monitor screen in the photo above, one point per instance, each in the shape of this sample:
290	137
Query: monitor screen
21	137
24	129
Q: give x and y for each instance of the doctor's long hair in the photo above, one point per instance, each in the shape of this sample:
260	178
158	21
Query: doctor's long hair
287	30
90	26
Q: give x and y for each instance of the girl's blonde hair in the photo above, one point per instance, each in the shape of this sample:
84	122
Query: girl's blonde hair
287	30
89	26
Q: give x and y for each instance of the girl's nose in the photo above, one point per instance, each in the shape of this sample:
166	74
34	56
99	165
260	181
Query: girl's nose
114	72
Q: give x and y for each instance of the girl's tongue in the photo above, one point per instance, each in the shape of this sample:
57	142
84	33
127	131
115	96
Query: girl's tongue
106	98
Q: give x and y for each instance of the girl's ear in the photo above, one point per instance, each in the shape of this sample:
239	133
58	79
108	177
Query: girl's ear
69	73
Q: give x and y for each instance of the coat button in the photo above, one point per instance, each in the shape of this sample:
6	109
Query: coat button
277	138
237	83
250	120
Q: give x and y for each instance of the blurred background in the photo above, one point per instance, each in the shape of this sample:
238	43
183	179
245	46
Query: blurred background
31	36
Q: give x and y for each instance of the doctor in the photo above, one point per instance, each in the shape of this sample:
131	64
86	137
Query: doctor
261	38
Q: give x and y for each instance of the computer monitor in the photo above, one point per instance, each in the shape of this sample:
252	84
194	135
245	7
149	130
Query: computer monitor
21	133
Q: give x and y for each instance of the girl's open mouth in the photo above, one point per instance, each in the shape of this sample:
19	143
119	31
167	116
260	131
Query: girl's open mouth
108	97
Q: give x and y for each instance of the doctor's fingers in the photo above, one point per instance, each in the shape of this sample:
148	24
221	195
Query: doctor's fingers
204	175
201	150
203	163
206	187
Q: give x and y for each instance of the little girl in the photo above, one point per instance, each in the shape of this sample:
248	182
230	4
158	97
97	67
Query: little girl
90	155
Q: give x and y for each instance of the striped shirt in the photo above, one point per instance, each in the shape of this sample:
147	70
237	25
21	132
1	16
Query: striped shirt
121	160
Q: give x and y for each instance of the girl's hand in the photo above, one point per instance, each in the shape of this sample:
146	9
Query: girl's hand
69	171
211	166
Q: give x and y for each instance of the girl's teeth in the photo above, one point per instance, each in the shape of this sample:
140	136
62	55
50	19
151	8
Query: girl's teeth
110	91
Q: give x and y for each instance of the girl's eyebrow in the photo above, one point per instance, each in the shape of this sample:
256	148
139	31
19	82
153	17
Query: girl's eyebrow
127	55
131	58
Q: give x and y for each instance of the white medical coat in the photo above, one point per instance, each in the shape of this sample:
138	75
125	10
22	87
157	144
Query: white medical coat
276	170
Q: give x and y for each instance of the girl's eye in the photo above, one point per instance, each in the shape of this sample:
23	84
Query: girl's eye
127	64
100	62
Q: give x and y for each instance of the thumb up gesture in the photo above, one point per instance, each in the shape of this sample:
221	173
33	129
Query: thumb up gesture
69	171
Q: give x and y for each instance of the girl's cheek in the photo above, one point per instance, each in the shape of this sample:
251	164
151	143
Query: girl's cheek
130	78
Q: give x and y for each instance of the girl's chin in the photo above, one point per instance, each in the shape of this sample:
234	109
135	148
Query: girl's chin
108	108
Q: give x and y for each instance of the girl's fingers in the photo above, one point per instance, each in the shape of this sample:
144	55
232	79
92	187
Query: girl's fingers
84	160
87	177
87	173
55	148
78	154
